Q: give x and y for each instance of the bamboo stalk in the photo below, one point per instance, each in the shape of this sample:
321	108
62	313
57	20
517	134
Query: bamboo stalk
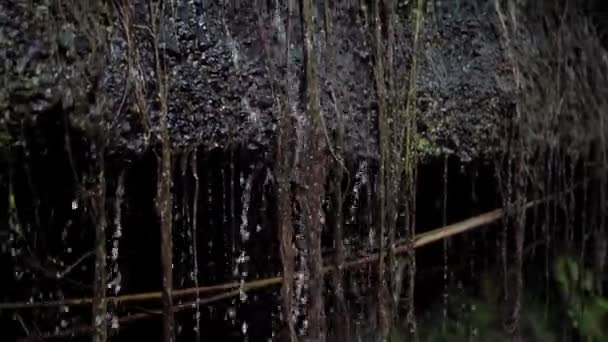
127	298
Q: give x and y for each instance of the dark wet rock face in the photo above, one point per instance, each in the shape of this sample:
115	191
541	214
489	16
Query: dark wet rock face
465	83
220	62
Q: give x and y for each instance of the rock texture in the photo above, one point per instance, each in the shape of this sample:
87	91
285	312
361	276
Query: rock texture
223	64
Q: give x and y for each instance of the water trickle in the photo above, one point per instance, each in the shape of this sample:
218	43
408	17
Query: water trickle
115	277
361	180
301	275
232	313
244	235
445	244
193	246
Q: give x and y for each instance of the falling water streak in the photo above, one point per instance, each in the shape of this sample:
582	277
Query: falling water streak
411	259
505	229
361	179
382	175
535	217
445	243
548	225
601	245
369	191
184	219
244	234
210	212
561	183
506	180
571	199
301	270
16	230
474	211
197	313
115	284
359	189
583	208
98	204
232	208
35	200
520	236
555	165
232	228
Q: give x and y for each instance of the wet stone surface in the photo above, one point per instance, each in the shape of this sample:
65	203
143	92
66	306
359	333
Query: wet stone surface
220	64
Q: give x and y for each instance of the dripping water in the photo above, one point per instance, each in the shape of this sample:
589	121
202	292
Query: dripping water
444	207
194	246
115	274
244	235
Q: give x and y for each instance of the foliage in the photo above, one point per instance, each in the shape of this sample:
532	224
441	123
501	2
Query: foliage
427	148
587	311
479	317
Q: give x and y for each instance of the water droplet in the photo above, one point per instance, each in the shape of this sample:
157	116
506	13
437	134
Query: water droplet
231	313
114	253
98	320
242	295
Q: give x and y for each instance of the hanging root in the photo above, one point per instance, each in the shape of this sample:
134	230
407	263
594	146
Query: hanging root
314	175
164	195
342	324
384	321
